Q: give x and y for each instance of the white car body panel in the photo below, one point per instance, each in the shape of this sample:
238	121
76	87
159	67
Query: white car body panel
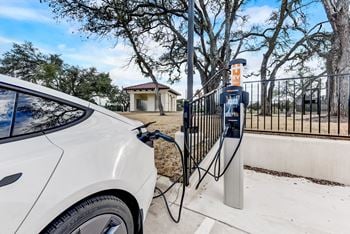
101	153
132	123
36	158
123	163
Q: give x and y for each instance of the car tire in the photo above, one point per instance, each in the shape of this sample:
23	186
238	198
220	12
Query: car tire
101	214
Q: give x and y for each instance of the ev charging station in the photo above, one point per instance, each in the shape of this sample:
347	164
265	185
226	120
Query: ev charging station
234	100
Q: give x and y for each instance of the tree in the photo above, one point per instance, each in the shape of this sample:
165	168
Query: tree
26	62
86	83
50	72
287	41
338	58
119	97
23	61
161	24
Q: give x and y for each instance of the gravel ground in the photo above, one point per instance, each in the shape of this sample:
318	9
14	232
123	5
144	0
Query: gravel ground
167	158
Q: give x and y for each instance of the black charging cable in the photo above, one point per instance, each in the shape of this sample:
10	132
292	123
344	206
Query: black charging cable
233	156
216	161
156	135
216	156
150	136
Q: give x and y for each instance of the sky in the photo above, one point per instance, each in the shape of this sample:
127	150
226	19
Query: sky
30	20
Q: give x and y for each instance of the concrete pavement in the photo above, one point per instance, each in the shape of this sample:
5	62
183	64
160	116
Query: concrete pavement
272	205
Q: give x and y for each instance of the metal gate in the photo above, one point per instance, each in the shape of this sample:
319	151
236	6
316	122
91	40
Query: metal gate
202	128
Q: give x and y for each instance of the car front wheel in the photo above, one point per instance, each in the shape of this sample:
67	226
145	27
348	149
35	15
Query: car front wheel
101	214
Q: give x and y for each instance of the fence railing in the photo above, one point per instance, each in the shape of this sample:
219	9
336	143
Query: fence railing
317	106
307	105
202	127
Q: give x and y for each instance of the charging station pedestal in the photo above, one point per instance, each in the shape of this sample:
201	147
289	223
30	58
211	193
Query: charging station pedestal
234	100
234	176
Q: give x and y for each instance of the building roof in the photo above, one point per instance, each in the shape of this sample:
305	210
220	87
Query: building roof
150	86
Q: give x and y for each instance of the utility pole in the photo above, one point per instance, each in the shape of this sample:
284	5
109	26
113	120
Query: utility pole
190	49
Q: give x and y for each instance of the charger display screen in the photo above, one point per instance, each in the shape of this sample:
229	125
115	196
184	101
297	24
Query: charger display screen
232	101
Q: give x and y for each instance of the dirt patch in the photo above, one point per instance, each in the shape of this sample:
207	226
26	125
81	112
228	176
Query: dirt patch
286	174
167	158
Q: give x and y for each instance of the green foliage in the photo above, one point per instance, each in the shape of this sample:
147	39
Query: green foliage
23	61
119	100
26	62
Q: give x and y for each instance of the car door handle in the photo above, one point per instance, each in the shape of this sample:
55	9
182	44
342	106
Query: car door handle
10	179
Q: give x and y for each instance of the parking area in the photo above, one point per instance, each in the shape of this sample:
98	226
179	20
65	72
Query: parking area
272	205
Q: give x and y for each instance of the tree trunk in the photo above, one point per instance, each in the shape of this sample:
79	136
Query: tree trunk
338	59
144	66
269	98
264	82
263	99
266	97
158	95
338	84
159	99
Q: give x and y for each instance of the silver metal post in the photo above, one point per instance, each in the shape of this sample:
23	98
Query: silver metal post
190	49
234	176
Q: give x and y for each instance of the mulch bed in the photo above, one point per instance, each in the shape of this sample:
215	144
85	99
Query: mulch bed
286	174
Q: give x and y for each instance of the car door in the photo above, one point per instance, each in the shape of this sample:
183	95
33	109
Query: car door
27	156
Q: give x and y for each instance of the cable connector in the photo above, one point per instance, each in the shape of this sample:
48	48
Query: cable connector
157	134
139	128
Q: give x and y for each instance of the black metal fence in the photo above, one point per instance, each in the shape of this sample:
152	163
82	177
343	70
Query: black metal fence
318	106
202	127
308	106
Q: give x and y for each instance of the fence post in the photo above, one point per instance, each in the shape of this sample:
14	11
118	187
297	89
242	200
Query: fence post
186	124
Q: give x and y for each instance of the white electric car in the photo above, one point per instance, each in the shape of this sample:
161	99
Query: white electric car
69	166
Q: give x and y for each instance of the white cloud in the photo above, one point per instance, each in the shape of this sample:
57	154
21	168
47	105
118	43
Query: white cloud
255	16
181	86
93	54
127	76
61	46
258	15
6	43
107	59
22	13
6	40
